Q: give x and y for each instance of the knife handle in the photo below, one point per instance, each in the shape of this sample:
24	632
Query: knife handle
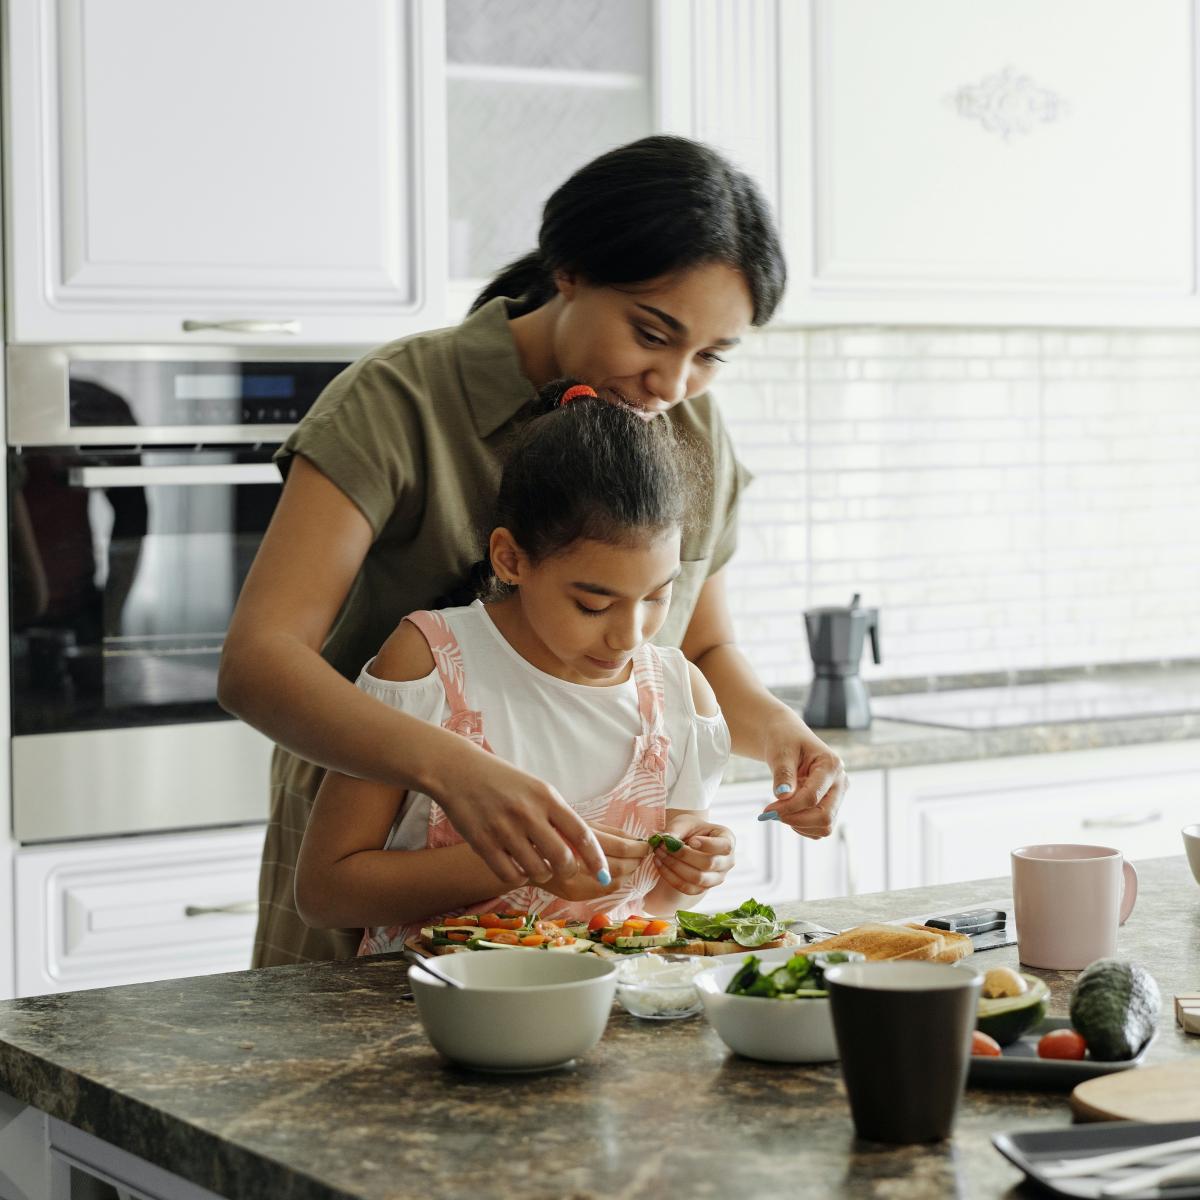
971	922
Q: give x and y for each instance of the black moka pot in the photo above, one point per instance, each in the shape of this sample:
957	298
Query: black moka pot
838	698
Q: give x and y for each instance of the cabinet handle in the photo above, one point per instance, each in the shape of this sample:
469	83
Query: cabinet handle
1120	822
182	474
204	910
286	326
843	837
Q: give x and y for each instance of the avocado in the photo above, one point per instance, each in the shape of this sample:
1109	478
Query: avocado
1005	1018
1115	1007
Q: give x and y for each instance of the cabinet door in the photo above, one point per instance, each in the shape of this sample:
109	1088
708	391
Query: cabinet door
854	859
533	91
960	821
225	171
767	855
131	910
1004	160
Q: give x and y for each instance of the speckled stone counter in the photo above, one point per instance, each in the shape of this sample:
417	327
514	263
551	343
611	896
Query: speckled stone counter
894	743
317	1081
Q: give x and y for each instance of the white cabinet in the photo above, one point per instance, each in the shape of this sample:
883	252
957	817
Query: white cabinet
960	820
129	910
854	859
1000	161
225	171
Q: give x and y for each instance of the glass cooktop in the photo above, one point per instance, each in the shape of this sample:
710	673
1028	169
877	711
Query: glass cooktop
1045	703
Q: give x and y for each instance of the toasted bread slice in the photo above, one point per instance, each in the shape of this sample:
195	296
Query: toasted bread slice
898	942
955	946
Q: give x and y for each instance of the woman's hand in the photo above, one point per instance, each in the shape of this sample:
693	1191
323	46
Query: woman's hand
808	777
624	854
704	861
519	825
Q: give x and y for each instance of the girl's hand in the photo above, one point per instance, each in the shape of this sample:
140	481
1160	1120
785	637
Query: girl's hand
624	854
520	826
809	779
704	861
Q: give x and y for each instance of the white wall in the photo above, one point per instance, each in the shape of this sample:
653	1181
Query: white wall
1008	499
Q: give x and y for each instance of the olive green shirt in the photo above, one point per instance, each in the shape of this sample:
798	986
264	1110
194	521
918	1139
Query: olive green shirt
415	435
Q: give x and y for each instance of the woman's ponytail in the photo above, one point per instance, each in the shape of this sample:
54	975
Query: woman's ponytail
528	277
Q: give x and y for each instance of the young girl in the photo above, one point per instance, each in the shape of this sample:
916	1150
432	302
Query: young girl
556	674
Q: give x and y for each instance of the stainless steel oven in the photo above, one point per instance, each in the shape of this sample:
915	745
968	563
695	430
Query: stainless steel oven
140	484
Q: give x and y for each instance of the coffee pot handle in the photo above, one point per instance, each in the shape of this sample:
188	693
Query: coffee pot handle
873	630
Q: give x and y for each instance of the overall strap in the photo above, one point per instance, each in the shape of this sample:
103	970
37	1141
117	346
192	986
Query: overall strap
648	675
447	657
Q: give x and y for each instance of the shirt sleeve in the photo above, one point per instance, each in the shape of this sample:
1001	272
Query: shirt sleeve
424	698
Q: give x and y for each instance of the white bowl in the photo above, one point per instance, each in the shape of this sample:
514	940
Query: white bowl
792	1031
1191	843
660	987
517	1012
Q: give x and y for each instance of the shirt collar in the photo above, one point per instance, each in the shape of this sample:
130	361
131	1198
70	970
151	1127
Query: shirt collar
490	367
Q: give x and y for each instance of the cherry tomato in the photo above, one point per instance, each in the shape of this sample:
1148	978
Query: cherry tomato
982	1044
599	921
1062	1043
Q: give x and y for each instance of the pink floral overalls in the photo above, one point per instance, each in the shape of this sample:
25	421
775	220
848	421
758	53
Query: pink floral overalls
637	805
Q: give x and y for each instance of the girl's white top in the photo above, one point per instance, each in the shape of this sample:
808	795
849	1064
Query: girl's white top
575	737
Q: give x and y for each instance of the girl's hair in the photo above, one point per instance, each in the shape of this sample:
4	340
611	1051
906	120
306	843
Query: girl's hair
587	469
654	206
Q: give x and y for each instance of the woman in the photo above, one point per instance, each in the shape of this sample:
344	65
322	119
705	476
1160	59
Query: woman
652	262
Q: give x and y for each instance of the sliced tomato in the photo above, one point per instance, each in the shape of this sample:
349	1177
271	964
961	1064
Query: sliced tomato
489	920
505	936
656	927
638	923
458	937
472	921
609	938
1062	1043
511	922
533	939
599	921
982	1044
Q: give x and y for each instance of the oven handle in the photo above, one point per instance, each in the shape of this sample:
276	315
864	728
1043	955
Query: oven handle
193	476
286	325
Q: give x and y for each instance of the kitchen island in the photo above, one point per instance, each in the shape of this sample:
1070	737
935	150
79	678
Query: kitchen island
317	1081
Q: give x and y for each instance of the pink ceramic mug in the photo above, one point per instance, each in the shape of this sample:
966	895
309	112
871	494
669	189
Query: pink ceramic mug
1069	901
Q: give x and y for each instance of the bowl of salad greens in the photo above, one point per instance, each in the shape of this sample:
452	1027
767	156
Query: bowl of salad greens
776	1011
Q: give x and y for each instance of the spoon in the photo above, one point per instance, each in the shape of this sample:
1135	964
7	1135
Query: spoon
430	967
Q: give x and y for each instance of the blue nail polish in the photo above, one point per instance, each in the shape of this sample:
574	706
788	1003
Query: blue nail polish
768	816
783	789
604	877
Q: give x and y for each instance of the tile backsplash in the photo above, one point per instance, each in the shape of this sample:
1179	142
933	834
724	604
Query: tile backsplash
1008	499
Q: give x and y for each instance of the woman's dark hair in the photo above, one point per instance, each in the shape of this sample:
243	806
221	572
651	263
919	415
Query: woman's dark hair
655	206
587	469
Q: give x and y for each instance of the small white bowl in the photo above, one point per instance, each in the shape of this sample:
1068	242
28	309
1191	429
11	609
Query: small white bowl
791	1031
660	987
1191	843
517	1012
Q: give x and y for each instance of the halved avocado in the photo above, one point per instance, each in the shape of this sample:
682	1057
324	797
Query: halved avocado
1007	1017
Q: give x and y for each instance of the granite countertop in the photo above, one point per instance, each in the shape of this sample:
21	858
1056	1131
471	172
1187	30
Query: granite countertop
317	1081
909	743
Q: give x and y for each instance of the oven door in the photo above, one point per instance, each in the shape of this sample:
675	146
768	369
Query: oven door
124	569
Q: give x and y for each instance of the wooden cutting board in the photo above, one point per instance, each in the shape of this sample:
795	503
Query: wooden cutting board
1167	1093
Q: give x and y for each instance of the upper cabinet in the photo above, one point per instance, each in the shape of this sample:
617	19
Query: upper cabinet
225	171
998	161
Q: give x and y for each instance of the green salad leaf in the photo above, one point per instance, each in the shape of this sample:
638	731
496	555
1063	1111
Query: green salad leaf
750	924
803	975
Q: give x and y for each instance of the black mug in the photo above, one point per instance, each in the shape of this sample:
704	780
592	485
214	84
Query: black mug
904	1038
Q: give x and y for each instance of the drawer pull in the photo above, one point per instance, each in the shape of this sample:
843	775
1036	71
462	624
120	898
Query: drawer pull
284	326
205	910
1120	822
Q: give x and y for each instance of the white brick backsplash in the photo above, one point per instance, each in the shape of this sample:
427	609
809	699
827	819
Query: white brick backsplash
1008	499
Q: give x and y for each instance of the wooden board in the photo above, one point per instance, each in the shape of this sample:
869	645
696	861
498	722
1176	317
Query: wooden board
1167	1093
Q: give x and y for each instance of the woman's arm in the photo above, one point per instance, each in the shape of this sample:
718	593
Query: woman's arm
274	678
808	776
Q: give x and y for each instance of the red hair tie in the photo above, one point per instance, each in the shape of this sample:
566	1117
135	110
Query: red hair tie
574	392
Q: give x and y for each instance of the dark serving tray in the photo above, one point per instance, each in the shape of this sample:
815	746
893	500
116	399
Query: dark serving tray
1032	1152
1019	1066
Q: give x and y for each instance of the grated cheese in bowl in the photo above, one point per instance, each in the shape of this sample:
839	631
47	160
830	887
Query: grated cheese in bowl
660	986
